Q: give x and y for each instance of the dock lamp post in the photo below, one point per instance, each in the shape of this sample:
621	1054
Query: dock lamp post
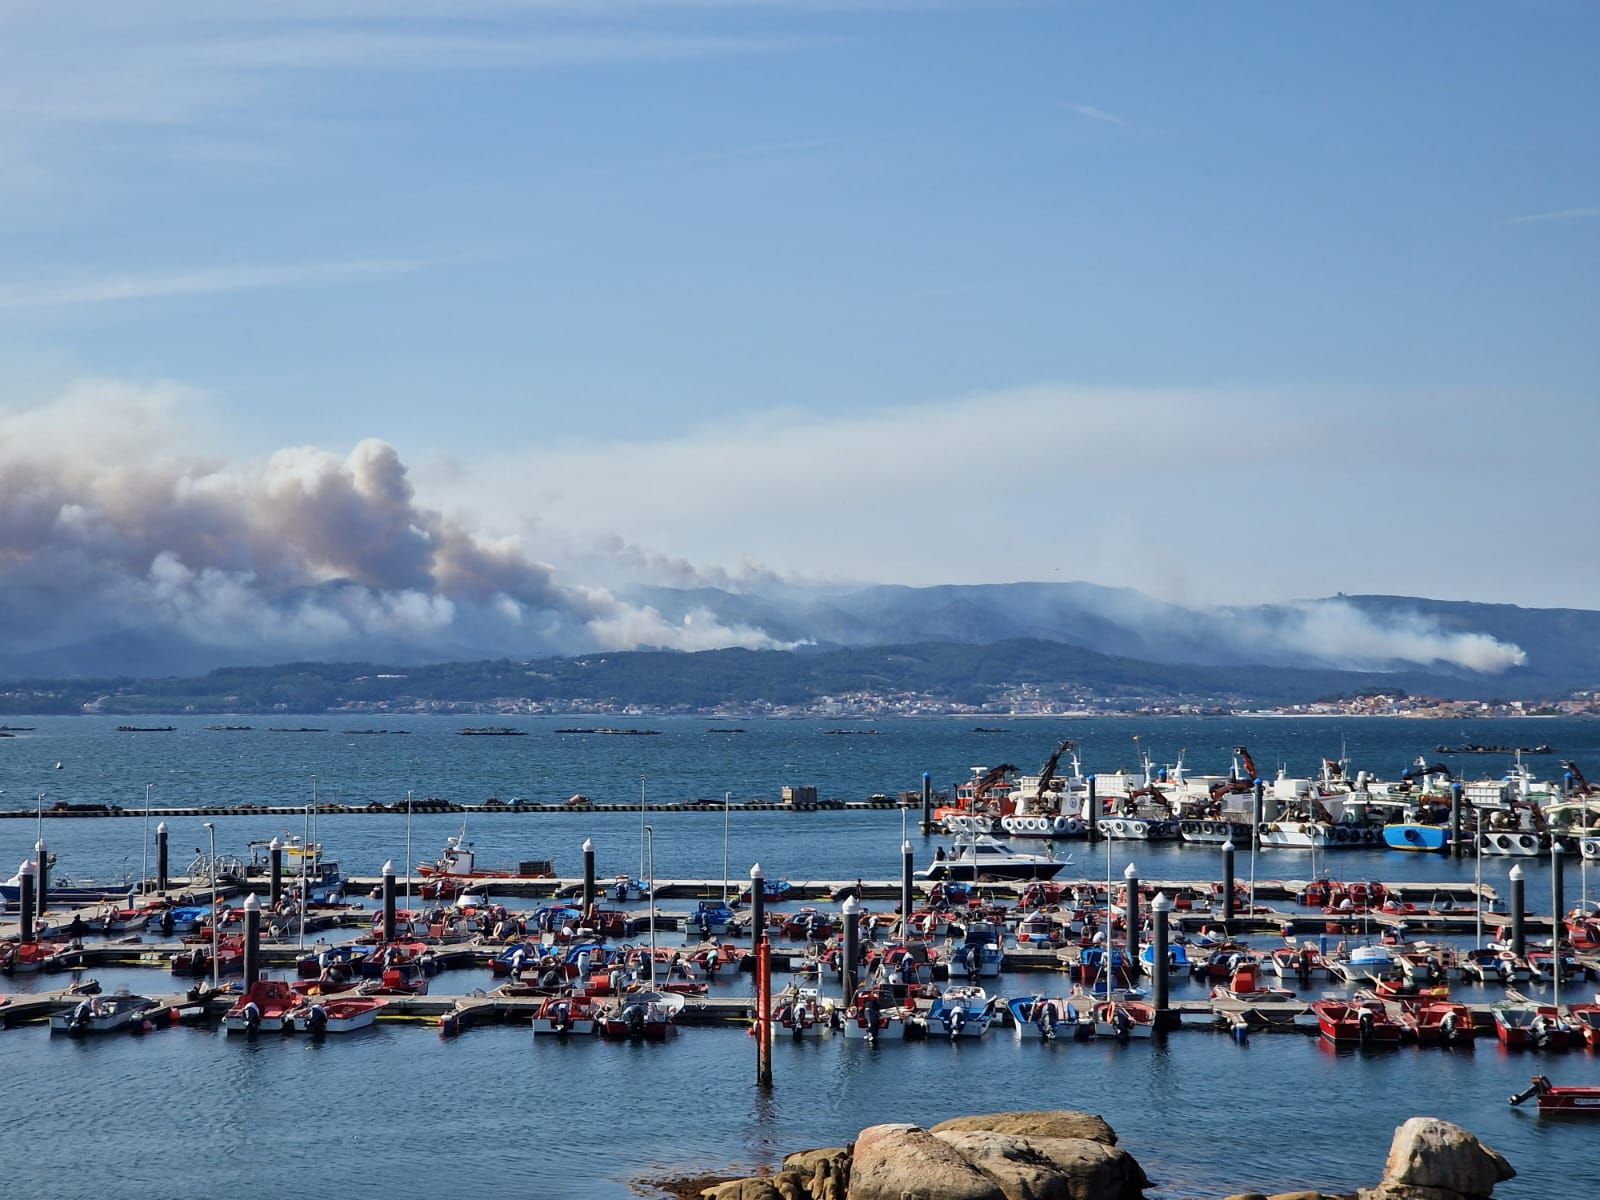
211	871
1161	909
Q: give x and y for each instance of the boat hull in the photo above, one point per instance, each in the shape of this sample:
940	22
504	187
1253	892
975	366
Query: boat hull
1420	839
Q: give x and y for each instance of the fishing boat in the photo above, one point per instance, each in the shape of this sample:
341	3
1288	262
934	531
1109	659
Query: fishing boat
460	862
1356	1022
1124	1019
1141	828
975	858
802	1011
642	1017
1580	1099
1049	1018
263	1007
342	1014
65	892
1520	1025
566	1014
101	1014
961	1012
1438	1022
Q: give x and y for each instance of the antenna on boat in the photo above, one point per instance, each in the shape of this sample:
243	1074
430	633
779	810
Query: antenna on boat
408	849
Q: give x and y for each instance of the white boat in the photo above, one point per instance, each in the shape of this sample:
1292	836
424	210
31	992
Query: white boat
101	1014
803	1012
980	955
1049	1018
975	858
1124	1019
874	1019
961	1012
336	1014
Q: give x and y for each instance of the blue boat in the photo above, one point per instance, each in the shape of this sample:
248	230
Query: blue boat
710	917
1408	835
1049	1018
1177	957
1091	967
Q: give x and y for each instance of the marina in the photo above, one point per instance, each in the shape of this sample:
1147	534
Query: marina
676	973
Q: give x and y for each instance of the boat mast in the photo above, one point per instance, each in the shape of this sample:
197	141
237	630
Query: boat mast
408	849
1477	891
305	894
727	798
1105	957
641	829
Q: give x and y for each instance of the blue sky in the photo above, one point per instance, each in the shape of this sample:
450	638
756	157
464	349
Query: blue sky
1228	302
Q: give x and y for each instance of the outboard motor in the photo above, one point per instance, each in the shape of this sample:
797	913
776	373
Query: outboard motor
971	959
957	1021
1365	1020
1123	1024
1044	1018
550	979
1448	1026
252	1017
197	961
317	1021
78	1022
562	1014
633	1019
874	1016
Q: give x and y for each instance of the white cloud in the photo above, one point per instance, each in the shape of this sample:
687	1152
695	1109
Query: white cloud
1097	114
111	289
1560	214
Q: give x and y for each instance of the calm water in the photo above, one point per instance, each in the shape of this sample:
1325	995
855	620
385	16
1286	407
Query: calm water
492	1110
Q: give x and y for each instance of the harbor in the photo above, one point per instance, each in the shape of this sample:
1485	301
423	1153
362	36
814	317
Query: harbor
1243	930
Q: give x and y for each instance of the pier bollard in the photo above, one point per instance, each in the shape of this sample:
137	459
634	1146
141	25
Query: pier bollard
275	853
161	858
1160	909
1091	807
1519	945
907	895
388	901
1227	882
252	939
25	878
1456	848
758	904
44	877
588	879
850	967
1130	913
927	804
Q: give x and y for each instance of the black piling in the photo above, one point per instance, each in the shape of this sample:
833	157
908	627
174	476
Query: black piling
275	850
927	804
388	902
1456	848
588	878
252	939
1160	908
1091	807
758	904
1130	880
43	867
851	966
907	895
25	875
161	858
1519	944
1227	881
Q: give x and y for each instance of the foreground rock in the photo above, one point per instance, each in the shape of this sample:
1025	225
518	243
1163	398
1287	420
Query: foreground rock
1431	1159
1058	1155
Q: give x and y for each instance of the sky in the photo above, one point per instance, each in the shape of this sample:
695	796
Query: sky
1229	303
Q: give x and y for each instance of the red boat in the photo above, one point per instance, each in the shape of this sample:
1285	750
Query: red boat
264	1007
458	862
1246	985
1585	1023
1561	1099
1356	1022
1530	1026
29	956
1438	1022
642	1017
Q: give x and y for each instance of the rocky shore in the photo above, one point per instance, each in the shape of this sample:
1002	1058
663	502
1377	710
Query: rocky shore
1058	1155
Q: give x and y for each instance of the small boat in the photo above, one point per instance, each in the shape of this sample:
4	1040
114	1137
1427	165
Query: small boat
264	1007
1487	963
344	1014
710	919
1124	1019
1523	1026
1584	1099
1298	962
808	925
961	1012
66	892
771	889
975	858
1413	836
1245	986
1585	1019
1438	1022
567	1015
1049	1018
802	1011
101	1014
1095	964
24	957
1358	1022
642	1017
459	862
876	1017
980	955
1177	958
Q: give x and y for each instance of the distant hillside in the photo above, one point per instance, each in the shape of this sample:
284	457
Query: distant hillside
962	673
